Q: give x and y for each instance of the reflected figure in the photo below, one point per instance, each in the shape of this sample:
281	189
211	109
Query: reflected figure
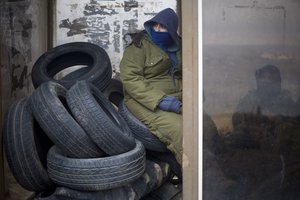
265	141
269	99
258	159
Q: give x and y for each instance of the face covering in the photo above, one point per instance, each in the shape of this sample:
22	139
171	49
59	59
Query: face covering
161	39
267	89
164	40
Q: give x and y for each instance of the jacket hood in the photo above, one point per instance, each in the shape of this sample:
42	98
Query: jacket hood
169	19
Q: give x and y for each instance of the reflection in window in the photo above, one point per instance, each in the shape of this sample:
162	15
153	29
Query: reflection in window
251	136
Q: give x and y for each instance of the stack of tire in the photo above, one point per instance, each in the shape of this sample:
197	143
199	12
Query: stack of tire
67	141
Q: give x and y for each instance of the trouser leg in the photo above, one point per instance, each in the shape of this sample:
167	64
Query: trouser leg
167	126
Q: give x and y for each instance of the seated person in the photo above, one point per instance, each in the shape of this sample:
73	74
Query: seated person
269	99
151	74
260	110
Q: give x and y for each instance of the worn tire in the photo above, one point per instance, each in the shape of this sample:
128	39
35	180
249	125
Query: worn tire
155	175
165	192
71	54
51	197
96	173
76	73
169	158
114	92
46	195
140	131
26	162
124	192
50	110
99	119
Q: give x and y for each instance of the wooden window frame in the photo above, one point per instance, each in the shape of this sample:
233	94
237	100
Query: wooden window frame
192	102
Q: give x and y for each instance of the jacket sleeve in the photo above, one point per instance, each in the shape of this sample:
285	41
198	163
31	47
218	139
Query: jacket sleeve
134	83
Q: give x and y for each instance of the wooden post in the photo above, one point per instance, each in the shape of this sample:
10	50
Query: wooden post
190	99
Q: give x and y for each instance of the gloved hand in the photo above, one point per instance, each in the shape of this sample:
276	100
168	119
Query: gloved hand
171	104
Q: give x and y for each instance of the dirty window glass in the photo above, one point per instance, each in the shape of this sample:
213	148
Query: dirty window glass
251	70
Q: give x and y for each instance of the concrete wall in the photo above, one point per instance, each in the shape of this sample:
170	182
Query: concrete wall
23	38
241	36
104	22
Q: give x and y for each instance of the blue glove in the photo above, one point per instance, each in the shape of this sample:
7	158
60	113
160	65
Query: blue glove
171	104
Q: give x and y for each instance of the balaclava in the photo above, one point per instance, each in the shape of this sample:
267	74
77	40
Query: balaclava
168	41
268	81
169	19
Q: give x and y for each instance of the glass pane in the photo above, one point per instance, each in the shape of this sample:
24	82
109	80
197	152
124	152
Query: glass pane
251	59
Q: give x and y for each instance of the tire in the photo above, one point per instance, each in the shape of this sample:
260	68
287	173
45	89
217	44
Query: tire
125	192
20	144
79	72
50	110
71	54
140	131
152	178
114	92
99	119
76	73
46	195
169	158
51	197
96	173
166	192
155	175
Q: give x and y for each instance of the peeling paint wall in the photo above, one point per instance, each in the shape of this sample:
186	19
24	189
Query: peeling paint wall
105	23
23	39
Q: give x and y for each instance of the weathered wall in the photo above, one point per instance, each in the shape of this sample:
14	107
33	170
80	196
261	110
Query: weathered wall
251	22
23	38
241	36
105	23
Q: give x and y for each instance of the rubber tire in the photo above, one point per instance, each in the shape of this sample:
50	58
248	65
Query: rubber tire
125	192
165	192
76	73
79	72
96	173
169	158
51	112
155	175
140	131
20	142
114	92
152	178
72	54
99	119
46	195
51	197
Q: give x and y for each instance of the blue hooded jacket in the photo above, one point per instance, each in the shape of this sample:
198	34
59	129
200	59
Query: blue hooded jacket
169	19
